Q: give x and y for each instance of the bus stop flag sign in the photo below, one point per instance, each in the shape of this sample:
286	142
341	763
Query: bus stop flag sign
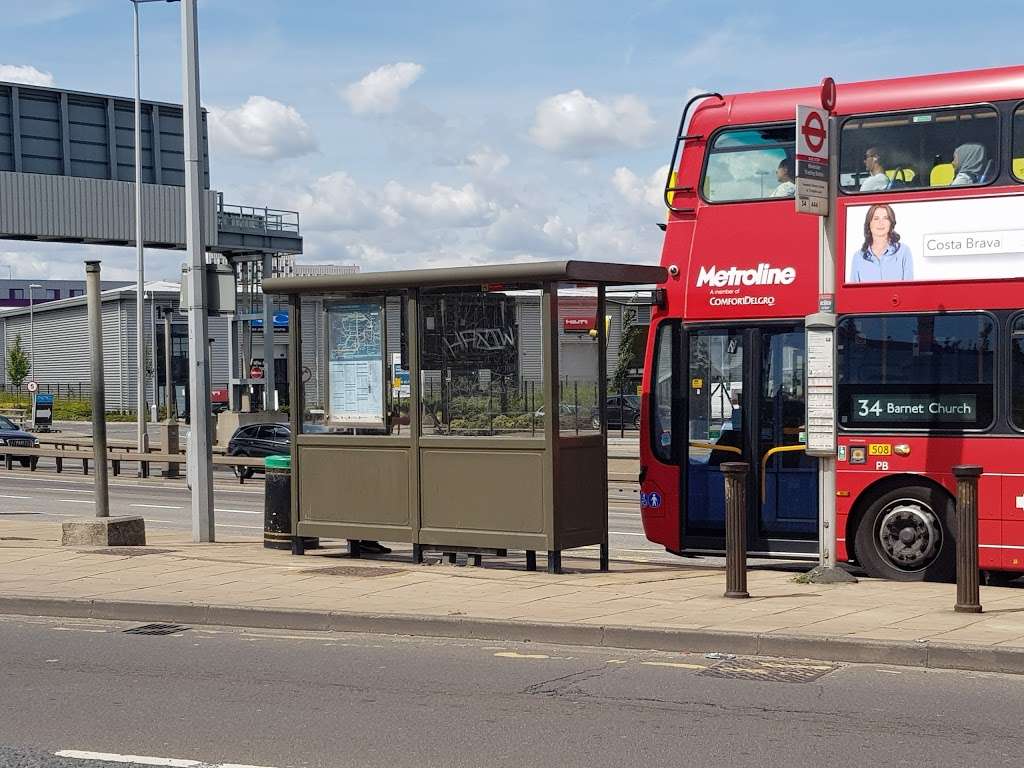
812	160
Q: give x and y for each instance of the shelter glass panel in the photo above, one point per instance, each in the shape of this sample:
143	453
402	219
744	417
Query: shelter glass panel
356	360
478	372
1018	143
579	410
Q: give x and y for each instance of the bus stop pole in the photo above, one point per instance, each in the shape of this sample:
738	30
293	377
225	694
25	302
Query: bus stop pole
820	380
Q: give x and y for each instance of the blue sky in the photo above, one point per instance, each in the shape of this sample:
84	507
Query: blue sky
415	134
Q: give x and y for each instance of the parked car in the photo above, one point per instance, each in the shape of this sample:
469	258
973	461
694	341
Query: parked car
262	440
259	441
13	435
622	411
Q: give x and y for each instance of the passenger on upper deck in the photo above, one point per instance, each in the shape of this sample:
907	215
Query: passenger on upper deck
969	164
877	180
784	174
882	258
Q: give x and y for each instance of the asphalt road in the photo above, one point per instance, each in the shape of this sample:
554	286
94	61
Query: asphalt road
268	698
165	504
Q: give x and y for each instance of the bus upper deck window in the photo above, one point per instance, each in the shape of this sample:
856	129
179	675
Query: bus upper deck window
1017	161
751	164
936	148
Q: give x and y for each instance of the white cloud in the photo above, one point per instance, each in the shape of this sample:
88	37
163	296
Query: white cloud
261	128
487	161
442	206
380	90
641	192
336	201
580	125
518	231
24	73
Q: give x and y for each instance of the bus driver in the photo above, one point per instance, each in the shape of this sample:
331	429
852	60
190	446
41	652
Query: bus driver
882	258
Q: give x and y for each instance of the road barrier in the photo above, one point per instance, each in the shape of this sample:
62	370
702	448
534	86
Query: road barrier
117	455
735	474
968	594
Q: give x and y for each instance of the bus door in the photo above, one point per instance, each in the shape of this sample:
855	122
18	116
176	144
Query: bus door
746	403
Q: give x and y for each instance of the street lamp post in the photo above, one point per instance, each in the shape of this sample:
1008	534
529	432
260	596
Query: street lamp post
32	329
140	316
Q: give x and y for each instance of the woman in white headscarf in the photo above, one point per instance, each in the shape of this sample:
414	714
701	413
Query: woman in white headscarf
969	164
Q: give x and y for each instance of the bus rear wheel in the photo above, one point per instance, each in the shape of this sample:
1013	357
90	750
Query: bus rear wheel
906	535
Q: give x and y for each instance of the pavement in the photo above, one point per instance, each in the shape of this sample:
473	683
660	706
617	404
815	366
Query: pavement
83	693
670	607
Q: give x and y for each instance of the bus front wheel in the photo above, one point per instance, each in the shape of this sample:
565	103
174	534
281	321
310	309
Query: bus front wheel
906	535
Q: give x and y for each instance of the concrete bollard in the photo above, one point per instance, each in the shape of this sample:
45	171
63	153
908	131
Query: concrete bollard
968	597
735	474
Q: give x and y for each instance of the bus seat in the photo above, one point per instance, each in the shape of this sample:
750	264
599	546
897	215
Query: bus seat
1018	167
898	175
942	175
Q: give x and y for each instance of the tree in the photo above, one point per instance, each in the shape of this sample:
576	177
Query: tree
17	363
629	349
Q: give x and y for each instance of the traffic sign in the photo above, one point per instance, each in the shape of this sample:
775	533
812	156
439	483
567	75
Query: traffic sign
256	372
33	386
812	160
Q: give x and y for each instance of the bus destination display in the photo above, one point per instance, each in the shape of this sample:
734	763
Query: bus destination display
914	408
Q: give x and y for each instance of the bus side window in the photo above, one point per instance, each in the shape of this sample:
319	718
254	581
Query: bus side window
935	148
747	164
1017	163
662	385
1017	374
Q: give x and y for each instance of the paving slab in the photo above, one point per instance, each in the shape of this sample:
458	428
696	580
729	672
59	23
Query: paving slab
636	605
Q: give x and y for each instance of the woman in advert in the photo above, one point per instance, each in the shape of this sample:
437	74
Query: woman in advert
882	258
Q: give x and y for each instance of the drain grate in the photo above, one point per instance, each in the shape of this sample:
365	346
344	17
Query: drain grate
127	551
769	671
351	570
156	629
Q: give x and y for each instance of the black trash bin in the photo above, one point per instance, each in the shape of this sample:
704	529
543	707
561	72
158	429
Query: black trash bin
277	507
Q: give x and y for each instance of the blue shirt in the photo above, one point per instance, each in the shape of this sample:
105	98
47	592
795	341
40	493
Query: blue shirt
896	264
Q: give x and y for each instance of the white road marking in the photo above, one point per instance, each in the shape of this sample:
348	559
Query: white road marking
109	757
5	496
76	501
250	527
154	506
514	655
625	533
239	511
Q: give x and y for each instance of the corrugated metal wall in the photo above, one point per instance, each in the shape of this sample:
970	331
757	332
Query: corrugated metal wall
62	347
531	351
52	131
61	207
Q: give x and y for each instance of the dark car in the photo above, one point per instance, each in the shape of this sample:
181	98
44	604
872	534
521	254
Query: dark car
12	435
622	411
258	441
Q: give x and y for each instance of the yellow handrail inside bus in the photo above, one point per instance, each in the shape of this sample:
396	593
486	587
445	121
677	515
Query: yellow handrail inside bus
764	464
714	447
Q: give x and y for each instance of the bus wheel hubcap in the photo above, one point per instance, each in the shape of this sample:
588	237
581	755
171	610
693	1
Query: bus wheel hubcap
909	535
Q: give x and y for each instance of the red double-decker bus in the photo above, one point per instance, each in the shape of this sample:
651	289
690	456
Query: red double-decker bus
928	240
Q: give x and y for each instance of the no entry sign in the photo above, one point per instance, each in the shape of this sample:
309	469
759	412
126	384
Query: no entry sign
812	177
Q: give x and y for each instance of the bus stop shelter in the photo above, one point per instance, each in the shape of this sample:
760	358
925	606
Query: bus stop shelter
444	419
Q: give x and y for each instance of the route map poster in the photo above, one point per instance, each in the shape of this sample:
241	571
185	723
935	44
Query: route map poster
355	362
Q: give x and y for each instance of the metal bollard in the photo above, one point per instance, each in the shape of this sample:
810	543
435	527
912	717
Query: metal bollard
968	598
735	474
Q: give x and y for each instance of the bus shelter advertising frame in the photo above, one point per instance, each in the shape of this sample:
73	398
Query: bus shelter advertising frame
370	473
